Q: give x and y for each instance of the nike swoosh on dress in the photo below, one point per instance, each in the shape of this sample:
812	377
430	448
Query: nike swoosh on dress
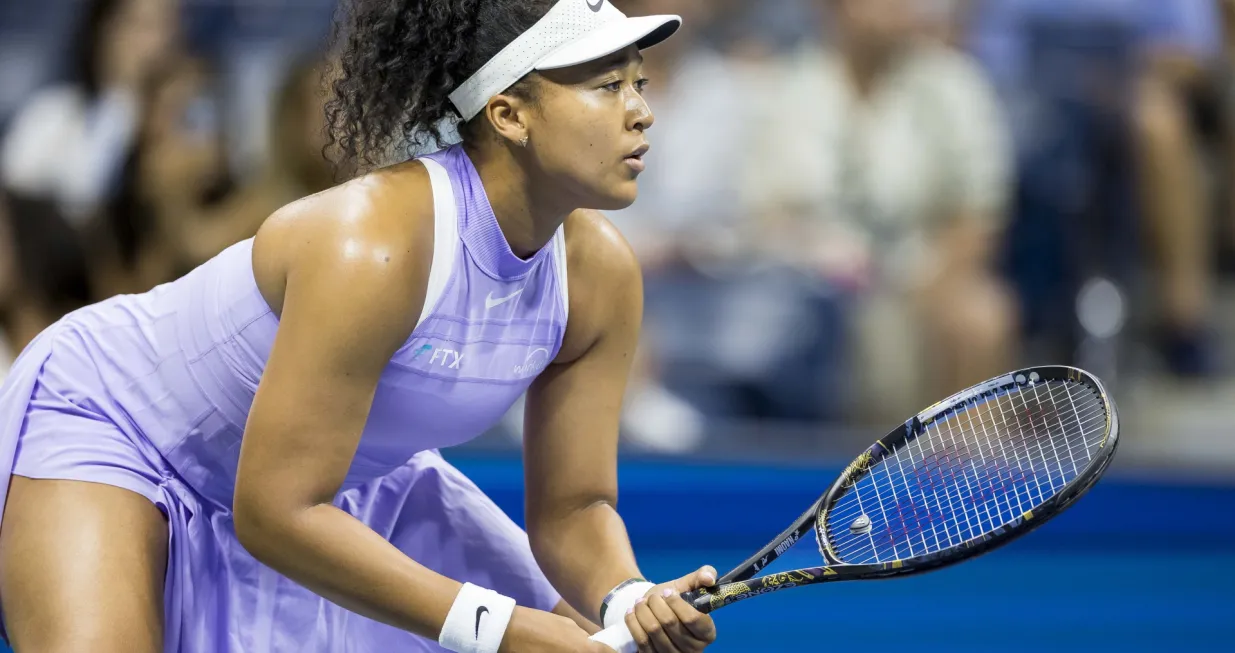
490	302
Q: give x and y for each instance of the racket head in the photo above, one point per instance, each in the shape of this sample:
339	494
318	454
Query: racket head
969	474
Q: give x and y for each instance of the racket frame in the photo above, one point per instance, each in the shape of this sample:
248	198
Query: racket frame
740	584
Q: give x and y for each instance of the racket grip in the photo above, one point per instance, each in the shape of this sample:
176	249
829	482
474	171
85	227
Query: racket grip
699	599
618	638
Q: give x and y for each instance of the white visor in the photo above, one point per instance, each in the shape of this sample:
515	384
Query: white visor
573	32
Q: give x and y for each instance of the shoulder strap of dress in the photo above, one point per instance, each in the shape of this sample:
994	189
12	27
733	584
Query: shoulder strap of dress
445	235
559	268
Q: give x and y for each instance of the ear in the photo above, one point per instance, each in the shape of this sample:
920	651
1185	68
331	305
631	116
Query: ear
508	115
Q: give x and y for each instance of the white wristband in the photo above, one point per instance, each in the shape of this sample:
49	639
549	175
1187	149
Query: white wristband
623	599
477	621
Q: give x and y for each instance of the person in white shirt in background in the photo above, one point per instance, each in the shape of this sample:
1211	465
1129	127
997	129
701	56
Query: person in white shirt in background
887	170
69	142
691	80
688	232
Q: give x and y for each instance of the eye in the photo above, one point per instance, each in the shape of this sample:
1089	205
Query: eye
642	83
613	87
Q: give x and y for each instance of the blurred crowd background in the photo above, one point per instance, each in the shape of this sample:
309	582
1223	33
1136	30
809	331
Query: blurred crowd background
852	208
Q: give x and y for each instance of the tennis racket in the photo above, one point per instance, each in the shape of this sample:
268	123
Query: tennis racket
971	473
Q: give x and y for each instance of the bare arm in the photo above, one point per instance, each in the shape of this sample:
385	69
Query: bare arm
572	424
349	299
570	448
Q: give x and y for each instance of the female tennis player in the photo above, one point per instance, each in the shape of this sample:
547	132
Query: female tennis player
244	459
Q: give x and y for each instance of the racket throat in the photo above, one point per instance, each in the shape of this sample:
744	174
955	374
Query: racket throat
803	525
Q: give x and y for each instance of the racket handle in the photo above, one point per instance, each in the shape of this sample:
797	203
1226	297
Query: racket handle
618	638
700	600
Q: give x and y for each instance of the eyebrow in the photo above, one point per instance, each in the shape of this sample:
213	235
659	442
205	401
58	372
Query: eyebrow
617	60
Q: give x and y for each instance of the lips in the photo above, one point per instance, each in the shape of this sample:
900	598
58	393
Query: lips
634	160
639	152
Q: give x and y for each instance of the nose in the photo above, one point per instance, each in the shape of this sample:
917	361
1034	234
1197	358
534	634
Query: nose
639	114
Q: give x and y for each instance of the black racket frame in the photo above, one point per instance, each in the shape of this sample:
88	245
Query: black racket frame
740	583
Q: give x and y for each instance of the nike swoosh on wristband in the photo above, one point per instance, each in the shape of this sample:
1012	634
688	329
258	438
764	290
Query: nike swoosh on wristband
490	302
595	7
479	612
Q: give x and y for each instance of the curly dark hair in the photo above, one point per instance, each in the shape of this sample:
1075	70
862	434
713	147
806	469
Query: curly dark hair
397	61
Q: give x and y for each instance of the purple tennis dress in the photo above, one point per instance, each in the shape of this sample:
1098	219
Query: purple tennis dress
151	393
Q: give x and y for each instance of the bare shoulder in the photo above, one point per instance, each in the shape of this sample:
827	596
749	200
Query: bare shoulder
606	282
597	253
376	229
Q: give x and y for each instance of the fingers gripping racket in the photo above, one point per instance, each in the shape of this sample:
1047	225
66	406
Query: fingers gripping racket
971	473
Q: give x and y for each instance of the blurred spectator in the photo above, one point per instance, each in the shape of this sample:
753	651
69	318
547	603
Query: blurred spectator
737	333
199	208
176	165
676	191
68	155
69	142
298	166
1083	79
683	211
887	170
43	270
179	205
946	21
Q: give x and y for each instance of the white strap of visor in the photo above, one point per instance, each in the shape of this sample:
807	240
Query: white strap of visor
566	22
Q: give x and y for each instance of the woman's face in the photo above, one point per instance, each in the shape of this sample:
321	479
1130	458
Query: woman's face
586	130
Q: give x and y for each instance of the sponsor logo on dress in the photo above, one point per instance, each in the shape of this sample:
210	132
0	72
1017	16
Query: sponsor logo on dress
448	358
421	351
534	364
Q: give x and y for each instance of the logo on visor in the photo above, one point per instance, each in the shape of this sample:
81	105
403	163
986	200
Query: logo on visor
595	7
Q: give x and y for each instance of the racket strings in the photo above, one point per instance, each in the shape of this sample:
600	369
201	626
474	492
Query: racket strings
970	472
1020	442
934	518
944	464
914	517
910	515
1017	445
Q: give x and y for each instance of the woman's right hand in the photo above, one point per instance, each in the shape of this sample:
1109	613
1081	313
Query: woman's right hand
533	631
